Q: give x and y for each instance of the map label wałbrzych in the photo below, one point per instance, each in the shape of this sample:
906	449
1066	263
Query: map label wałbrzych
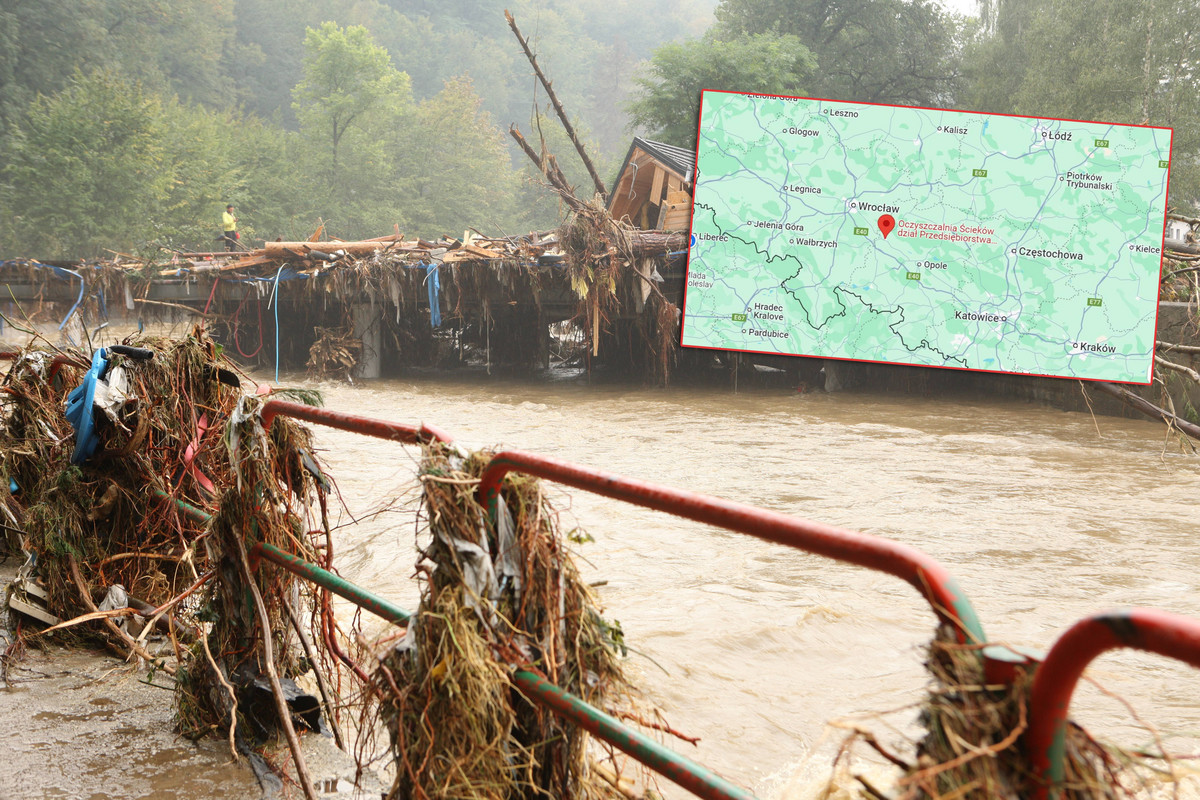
921	236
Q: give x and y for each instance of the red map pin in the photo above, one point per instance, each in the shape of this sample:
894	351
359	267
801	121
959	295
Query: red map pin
886	223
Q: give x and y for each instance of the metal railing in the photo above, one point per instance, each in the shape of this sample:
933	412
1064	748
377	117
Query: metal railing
1054	681
925	574
687	773
930	578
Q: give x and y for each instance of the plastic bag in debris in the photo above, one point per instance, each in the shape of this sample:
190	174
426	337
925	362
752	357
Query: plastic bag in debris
261	710
508	559
112	393
478	573
118	598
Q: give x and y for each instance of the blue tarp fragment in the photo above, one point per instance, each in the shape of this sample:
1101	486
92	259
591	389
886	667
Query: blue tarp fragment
432	284
81	408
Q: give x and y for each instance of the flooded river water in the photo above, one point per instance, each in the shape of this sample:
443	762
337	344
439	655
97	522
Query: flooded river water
1043	516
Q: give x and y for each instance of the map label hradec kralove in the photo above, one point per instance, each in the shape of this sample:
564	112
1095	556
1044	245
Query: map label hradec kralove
920	236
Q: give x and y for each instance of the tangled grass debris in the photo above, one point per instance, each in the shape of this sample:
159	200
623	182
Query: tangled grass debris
972	744
497	591
149	546
151	532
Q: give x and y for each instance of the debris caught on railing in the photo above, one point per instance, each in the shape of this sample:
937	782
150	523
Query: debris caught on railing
974	742
139	539
495	596
158	542
191	529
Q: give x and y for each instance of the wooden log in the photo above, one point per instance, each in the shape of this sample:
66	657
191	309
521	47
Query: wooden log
1167	347
1178	247
285	250
558	108
1149	409
656	243
548	168
253	260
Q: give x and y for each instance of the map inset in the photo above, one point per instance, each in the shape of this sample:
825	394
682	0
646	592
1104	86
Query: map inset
919	236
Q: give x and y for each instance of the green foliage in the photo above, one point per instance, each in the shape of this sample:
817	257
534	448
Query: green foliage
669	103
880	51
876	51
89	167
108	164
1128	61
172	46
353	106
458	169
129	124
349	87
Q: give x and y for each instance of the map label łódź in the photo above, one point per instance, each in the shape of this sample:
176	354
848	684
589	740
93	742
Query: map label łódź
1017	244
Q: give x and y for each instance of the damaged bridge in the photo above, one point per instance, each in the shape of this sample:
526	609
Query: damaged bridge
595	291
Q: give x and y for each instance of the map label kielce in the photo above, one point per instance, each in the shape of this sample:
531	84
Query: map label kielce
923	236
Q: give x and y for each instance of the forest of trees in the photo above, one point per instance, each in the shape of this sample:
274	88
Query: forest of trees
129	125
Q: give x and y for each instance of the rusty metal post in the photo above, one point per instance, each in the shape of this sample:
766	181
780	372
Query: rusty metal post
1054	682
393	431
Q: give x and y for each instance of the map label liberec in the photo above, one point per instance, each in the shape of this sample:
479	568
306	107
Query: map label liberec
1016	244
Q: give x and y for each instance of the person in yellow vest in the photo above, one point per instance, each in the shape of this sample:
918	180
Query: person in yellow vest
229	226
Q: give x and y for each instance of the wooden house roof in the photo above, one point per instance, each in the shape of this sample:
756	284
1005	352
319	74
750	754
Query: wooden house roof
653	188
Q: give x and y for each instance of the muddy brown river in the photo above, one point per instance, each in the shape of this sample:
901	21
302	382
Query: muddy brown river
1043	516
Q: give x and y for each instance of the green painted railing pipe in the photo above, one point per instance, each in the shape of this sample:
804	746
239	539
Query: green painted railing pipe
334	583
697	779
189	510
685	772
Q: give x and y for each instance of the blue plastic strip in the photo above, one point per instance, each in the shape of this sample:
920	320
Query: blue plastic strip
275	301
78	300
81	409
432	285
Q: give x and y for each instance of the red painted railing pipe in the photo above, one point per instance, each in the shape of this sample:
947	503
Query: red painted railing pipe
393	431
55	363
1054	682
924	573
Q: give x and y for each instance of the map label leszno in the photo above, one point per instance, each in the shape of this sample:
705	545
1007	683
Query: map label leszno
1022	225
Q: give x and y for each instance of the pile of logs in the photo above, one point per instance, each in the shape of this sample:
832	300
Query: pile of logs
314	255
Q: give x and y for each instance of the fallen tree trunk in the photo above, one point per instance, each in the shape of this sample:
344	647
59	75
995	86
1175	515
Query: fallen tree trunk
284	250
1149	409
656	243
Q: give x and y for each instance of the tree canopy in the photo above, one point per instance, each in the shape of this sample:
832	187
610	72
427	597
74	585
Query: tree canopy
881	51
130	123
1129	61
363	113
770	63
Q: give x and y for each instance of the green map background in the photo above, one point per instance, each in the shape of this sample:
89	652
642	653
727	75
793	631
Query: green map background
858	300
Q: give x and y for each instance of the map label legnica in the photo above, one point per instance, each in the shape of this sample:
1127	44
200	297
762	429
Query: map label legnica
1007	244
